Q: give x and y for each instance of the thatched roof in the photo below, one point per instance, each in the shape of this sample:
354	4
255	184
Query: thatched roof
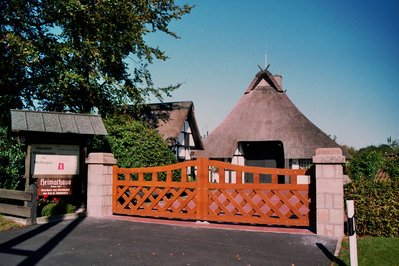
169	118
265	113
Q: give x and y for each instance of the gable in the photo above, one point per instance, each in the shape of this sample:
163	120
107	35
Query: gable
169	119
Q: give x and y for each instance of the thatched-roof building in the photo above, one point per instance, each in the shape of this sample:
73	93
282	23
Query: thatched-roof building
176	122
266	129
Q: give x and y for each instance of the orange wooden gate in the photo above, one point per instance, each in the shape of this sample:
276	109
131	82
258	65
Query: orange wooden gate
210	190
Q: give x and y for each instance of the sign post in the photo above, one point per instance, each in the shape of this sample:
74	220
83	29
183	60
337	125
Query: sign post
352	232
56	150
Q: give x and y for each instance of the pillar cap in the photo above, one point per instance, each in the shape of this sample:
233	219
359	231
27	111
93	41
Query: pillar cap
101	158
328	156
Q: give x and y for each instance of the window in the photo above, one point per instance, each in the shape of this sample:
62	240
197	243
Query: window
300	163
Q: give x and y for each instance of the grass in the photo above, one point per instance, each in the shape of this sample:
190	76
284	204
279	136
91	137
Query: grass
6	224
372	251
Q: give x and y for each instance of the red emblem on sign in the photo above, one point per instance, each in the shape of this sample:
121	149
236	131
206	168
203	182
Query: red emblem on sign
60	166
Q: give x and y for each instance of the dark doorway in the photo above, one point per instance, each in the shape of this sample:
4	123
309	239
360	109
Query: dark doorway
268	154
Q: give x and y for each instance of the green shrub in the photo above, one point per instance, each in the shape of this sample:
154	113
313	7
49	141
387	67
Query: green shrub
69	208
57	208
12	158
51	209
366	164
376	206
133	143
391	167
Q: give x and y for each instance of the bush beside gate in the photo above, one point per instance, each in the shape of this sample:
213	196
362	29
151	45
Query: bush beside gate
376	206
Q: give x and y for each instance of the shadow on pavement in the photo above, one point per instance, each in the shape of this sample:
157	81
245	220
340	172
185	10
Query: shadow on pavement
329	255
33	257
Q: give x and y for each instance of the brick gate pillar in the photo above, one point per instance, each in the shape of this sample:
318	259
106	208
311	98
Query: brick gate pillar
329	192
99	184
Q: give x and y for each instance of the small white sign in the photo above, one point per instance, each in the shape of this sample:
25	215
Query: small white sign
51	159
303	180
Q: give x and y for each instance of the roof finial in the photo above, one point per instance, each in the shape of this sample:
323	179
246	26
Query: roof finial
264	70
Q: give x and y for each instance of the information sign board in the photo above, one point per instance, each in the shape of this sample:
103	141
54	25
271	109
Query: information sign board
52	159
54	186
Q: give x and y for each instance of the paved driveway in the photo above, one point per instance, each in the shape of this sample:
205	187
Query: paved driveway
89	241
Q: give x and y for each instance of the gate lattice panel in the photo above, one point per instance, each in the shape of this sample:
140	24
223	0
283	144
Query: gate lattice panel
157	201
186	191
263	206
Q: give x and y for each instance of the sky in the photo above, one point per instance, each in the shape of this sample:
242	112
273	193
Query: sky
339	61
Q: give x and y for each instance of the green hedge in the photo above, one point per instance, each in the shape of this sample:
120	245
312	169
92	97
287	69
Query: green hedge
376	206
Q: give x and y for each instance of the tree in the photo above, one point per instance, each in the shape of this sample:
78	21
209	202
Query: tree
73	55
365	164
11	161
133	143
350	149
373	161
393	144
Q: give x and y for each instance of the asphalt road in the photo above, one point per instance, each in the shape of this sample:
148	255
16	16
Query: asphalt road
89	241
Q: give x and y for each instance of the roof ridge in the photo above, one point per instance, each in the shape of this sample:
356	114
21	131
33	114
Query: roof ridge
51	112
268	77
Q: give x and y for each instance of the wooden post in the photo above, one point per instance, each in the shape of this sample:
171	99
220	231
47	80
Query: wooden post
205	187
202	180
32	204
27	167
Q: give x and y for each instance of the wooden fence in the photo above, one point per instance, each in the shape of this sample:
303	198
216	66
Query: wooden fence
213	191
29	208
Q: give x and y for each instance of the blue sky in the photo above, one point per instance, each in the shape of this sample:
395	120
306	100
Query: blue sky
339	61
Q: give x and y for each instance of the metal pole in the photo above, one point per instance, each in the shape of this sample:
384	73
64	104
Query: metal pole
352	232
